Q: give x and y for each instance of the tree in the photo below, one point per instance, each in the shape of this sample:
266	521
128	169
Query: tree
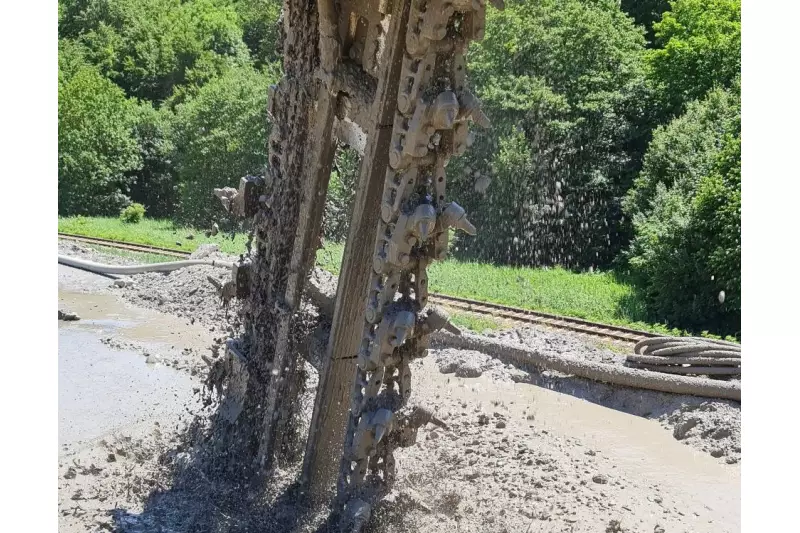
95	145
699	47
718	206
261	28
563	82
685	150
154	183
220	136
686	207
150	48
646	13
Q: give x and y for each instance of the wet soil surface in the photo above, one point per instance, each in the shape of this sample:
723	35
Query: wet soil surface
524	451
102	389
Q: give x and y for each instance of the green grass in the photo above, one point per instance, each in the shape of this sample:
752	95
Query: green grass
474	322
161	233
599	297
330	257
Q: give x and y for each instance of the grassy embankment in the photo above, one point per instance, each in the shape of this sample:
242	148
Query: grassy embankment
593	296
162	233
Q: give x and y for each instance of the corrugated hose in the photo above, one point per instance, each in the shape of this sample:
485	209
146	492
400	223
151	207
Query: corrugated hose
687	355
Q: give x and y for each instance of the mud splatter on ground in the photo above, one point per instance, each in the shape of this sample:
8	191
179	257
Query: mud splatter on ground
563	455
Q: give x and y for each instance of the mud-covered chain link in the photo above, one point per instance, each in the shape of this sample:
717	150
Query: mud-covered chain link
430	126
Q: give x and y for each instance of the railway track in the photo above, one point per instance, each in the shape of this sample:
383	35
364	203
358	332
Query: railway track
527	316
514	314
125	245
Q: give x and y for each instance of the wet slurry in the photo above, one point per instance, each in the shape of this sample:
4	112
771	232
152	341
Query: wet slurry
524	450
103	389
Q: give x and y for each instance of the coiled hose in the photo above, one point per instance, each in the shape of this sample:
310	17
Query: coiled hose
101	268
687	355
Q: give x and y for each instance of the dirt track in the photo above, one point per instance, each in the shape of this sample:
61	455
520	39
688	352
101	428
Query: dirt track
524	451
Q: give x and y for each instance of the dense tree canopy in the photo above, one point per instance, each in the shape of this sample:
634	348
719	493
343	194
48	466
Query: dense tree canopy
686	202
178	63
699	48
564	84
718	205
685	207
220	136
260	26
95	144
646	13
153	183
155	49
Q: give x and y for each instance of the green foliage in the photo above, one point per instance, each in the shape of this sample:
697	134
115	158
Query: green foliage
167	51
700	45
685	150
341	194
686	208
133	214
154	183
563	82
71	58
645	13
718	208
95	146
153	48
220	135
261	29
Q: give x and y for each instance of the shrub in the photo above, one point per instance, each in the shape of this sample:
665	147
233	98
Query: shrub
133	214
718	208
686	207
685	150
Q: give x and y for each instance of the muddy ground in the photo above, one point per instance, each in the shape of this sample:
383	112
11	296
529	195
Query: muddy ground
524	451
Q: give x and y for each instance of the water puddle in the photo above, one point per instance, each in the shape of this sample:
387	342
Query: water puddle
106	313
102	389
109	323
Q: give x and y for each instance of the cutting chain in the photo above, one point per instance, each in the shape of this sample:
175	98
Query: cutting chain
430	126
